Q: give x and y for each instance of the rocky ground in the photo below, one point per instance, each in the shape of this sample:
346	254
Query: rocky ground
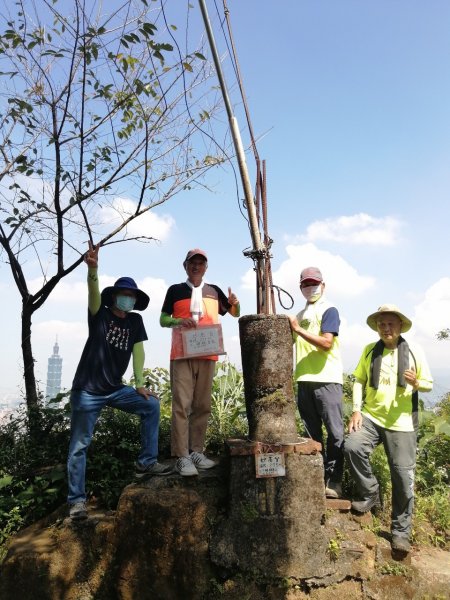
156	546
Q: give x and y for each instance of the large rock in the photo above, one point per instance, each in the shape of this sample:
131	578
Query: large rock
275	527
162	536
156	547
56	560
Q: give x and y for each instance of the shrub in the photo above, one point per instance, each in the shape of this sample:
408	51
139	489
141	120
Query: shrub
228	414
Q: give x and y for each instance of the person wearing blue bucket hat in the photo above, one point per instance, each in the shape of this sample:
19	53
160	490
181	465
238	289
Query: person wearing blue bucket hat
115	335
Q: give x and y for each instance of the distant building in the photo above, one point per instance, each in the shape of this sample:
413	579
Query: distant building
54	371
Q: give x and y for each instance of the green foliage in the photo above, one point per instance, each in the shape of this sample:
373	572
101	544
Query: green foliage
33	478
432	516
228	415
111	456
32	469
11	521
248	512
432	505
433	463
334	545
443	408
158	381
393	568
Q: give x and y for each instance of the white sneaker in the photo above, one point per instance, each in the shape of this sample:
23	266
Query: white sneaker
185	467
200	461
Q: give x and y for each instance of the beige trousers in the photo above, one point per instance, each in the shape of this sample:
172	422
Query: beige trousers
191	383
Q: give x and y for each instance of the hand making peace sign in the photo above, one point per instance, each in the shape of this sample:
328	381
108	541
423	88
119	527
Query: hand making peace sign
91	256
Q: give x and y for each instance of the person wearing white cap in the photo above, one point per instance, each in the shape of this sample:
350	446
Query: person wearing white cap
188	305
319	375
390	372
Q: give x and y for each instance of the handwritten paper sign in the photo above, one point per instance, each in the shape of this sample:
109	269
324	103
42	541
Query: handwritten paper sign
270	465
202	341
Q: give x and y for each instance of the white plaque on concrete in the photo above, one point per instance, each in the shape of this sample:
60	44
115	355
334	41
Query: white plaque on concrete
270	465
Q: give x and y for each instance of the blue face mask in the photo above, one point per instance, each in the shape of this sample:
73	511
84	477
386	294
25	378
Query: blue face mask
125	303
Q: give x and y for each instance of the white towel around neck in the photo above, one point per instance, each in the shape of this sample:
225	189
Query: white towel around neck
196	300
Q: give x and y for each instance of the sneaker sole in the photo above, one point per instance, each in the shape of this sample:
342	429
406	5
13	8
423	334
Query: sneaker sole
374	508
400	550
186	474
332	495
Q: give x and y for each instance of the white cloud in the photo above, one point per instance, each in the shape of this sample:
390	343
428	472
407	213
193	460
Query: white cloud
430	316
70	292
359	229
334	268
156	289
149	224
74	293
353	337
433	313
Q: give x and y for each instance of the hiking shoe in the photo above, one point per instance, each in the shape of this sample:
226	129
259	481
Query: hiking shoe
333	490
185	467
200	461
400	543
78	511
155	468
363	506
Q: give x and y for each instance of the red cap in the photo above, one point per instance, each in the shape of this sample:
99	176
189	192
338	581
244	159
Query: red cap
312	273
195	252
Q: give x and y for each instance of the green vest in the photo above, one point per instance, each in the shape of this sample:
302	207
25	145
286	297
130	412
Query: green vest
314	364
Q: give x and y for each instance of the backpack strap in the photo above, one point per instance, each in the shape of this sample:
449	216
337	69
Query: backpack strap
403	362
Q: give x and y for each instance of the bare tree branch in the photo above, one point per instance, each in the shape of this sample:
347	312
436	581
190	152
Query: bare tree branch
94	106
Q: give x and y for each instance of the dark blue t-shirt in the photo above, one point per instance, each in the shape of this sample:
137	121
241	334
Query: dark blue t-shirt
108	350
330	321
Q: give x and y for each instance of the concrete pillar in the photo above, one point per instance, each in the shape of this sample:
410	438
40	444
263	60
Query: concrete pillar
266	348
275	524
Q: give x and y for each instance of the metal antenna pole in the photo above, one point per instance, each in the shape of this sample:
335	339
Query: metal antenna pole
258	248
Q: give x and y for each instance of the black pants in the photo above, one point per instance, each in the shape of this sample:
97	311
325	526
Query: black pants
321	404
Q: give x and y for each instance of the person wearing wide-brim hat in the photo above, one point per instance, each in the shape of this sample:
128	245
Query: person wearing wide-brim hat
391	372
115	334
125	286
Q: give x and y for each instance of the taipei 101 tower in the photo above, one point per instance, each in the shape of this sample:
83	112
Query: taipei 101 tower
54	370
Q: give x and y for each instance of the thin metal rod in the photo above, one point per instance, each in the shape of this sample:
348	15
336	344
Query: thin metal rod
240	154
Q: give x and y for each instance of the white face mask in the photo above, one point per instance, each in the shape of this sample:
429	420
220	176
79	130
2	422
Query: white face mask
312	293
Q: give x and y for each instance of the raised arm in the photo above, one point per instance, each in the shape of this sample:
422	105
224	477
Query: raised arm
94	298
235	309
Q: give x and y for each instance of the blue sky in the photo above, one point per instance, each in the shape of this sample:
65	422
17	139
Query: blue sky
350	102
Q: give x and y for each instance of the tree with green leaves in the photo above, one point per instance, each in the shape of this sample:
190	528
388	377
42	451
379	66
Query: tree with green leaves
98	102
